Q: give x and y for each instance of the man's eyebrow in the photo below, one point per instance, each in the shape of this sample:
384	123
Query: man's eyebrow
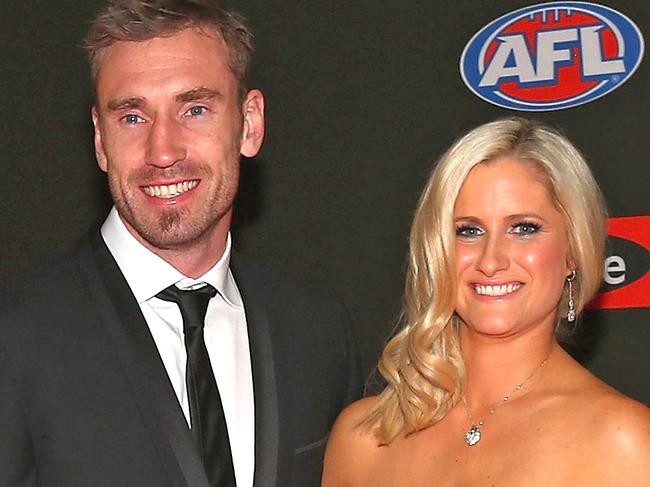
201	93
122	103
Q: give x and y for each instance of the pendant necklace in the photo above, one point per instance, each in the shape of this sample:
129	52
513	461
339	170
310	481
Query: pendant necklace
473	435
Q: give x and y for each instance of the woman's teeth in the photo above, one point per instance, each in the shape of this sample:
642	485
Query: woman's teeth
500	290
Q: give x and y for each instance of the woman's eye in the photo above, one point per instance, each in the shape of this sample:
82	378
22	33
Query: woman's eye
469	231
525	228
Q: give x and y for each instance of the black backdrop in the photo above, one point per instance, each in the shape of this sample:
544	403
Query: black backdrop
362	97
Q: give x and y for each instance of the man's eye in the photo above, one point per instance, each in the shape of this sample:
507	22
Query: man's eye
525	228
195	111
132	119
469	231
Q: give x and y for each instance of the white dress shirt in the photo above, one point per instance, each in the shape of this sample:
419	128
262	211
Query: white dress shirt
225	333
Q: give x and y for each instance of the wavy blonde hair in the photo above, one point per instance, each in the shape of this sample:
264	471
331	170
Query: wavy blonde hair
422	364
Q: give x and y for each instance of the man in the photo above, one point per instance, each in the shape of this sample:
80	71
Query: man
101	385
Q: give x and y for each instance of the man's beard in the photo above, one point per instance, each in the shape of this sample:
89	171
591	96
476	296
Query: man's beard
170	227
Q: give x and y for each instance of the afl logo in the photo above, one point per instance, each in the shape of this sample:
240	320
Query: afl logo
551	56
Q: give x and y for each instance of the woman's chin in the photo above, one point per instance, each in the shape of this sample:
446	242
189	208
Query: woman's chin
497	327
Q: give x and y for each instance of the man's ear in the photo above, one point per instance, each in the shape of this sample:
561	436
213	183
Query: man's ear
253	128
100	155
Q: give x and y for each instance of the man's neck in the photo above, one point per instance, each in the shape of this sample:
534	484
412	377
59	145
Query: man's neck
195	258
193	262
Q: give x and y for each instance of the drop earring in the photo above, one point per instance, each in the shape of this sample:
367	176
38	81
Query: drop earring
571	314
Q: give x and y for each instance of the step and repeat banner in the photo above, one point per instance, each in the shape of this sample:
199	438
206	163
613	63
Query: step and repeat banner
362	98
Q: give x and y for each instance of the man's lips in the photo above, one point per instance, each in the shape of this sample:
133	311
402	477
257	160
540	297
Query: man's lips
496	290
171	190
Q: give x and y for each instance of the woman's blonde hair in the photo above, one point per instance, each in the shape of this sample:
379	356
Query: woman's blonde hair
422	363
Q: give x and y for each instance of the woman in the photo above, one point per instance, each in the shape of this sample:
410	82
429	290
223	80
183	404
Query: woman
506	248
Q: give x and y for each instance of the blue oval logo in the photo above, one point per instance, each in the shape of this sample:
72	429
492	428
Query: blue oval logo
551	56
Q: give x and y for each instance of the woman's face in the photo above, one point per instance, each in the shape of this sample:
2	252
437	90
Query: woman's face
512	254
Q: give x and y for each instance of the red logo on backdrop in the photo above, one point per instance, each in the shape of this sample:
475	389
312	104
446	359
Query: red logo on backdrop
627	266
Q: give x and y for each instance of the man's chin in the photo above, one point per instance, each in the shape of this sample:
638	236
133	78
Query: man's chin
171	228
166	233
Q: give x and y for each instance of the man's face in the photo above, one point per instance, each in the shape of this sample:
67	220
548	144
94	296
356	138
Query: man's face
169	130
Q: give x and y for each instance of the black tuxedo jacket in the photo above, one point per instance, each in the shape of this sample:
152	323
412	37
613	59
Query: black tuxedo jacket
85	400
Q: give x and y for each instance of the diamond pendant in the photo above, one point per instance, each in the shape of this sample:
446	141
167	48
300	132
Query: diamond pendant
571	316
473	435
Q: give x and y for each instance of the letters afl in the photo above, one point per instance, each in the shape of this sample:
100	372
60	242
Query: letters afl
551	56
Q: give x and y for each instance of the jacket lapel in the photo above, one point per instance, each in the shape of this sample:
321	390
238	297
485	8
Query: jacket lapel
142	365
267	433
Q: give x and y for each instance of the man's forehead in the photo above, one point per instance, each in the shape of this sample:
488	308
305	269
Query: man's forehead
188	64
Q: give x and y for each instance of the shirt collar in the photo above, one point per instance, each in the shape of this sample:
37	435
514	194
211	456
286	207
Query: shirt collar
147	274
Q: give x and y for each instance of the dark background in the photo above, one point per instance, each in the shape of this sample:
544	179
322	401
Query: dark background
362	97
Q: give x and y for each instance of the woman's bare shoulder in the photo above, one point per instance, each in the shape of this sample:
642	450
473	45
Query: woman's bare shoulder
350	446
605	403
355	412
600	428
625	421
617	430
609	411
349	432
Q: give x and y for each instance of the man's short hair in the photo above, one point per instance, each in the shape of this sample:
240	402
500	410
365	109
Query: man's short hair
140	20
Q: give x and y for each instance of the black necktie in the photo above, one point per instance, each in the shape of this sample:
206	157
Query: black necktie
207	419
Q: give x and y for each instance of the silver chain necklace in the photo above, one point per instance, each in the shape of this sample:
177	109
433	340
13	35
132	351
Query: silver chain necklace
473	435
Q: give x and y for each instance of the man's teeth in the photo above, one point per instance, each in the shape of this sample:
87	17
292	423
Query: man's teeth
170	190
501	290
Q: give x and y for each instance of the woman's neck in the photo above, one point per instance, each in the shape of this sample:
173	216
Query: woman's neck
495	366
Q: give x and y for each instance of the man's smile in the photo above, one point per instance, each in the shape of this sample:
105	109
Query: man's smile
170	190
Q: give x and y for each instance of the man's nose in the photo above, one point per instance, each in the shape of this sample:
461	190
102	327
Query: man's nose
165	143
494	257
